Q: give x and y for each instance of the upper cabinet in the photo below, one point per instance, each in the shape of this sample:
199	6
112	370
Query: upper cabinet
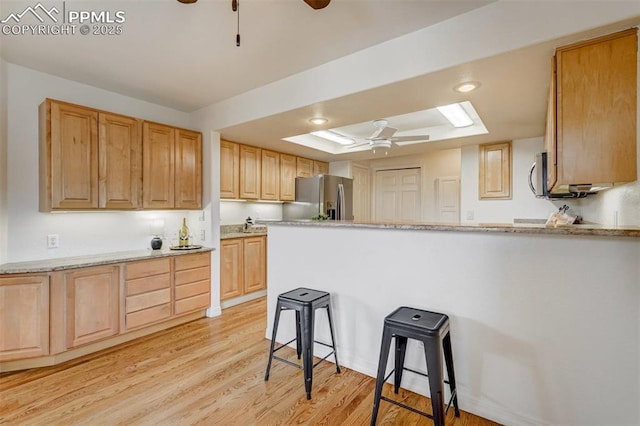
287	177
270	184
250	172
91	159
172	167
320	168
495	171
68	157
304	167
595	112
229	169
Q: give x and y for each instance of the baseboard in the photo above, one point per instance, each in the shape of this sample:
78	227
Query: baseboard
245	298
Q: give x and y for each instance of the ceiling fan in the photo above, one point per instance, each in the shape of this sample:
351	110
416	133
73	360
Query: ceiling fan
316	4
383	137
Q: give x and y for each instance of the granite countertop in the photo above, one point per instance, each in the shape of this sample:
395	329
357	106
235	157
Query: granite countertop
237	231
59	264
524	228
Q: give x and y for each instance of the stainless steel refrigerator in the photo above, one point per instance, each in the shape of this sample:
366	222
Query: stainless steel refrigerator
321	194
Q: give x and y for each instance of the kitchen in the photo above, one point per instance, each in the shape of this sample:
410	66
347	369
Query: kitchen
83	234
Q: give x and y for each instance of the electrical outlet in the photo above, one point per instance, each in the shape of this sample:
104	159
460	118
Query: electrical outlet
53	241
203	235
470	214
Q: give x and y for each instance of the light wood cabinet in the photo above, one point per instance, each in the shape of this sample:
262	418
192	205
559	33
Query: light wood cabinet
304	167
24	308
495	171
320	168
250	172
287	177
68	156
172	167
270	181
255	268
596	112
92	304
147	292
243	266
192	283
229	169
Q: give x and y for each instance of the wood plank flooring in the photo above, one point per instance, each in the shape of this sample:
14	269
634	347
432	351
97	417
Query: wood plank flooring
210	372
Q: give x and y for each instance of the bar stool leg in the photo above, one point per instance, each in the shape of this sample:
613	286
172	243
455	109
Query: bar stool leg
448	359
382	368
308	315
401	349
276	321
298	337
432	352
333	340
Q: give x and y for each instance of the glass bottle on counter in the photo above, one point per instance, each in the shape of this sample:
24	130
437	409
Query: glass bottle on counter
183	234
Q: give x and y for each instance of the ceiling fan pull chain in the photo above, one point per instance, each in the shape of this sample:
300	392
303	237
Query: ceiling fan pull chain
235	6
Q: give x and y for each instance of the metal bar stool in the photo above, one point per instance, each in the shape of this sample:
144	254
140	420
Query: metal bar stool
304	301
432	329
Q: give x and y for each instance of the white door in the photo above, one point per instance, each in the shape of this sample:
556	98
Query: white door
448	198
361	193
397	195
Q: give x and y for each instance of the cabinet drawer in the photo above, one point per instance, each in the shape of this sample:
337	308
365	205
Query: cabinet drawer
192	261
192	275
192	289
192	303
148	316
147	300
147	268
143	285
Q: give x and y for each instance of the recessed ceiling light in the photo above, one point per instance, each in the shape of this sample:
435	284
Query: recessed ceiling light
467	86
318	120
333	137
456	115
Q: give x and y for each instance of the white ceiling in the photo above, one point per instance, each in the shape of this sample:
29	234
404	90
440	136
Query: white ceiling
185	57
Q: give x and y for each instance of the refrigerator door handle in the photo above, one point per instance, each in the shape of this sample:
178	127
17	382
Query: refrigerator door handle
340	203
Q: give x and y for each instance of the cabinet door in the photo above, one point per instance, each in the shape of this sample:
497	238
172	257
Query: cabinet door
92	304
287	177
24	317
120	161
550	130
250	173
320	168
304	167
231	268
495	171
270	181
229	169
71	154
255	268
158	152
188	170
596	110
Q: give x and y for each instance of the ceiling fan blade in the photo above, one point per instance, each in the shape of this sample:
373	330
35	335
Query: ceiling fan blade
358	145
317	4
416	138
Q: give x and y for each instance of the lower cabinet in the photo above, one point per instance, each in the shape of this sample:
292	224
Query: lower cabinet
24	310
243	266
147	292
192	283
92	304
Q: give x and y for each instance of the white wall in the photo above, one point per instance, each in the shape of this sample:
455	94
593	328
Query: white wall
3	163
79	233
236	212
433	165
545	328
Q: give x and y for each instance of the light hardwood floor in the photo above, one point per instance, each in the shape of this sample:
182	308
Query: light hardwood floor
210	371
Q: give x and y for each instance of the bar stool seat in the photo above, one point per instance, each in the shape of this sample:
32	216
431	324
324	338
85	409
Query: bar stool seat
304	301
432	329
